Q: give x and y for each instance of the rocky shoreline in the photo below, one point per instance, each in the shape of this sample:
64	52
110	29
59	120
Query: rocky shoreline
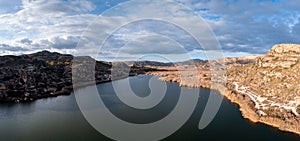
29	77
247	111
45	74
268	91
245	104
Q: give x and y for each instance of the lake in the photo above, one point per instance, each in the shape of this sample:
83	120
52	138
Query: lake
59	118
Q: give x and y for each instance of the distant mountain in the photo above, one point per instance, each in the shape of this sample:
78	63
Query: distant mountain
196	62
147	63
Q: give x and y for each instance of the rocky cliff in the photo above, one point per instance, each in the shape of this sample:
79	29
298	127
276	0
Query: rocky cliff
271	83
266	88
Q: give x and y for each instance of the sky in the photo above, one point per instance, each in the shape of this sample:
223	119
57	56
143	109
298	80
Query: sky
242	27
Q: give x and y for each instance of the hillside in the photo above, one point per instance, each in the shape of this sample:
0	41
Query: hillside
272	85
43	74
266	88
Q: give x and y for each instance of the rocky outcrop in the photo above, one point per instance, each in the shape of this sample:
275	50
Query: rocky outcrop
43	74
265	87
272	82
46	74
282	55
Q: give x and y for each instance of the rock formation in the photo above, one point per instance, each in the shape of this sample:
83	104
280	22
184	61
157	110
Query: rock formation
43	74
272	85
266	88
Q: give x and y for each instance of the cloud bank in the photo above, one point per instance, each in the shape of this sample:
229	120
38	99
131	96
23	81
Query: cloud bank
242	27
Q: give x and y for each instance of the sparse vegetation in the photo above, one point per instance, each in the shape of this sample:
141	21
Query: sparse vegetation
268	84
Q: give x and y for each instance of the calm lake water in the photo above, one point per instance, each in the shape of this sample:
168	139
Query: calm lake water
60	118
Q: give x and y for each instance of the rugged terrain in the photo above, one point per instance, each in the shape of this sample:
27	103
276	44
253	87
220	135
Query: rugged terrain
265	87
271	83
44	74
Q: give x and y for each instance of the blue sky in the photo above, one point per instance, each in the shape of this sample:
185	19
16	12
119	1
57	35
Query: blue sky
243	27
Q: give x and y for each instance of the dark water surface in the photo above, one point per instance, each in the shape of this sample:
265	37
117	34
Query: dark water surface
60	118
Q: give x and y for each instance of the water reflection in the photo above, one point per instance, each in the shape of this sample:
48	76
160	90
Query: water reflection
59	118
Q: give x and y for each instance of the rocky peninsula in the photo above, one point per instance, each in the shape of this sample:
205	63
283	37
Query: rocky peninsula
44	74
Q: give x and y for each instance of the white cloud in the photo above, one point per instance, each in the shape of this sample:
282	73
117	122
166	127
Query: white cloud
153	44
45	25
129	23
251	26
242	27
57	7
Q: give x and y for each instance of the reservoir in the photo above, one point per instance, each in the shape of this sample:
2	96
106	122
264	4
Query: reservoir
59	118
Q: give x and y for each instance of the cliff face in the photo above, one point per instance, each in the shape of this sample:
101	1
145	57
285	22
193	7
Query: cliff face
272	85
266	88
240	61
273	77
282	56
